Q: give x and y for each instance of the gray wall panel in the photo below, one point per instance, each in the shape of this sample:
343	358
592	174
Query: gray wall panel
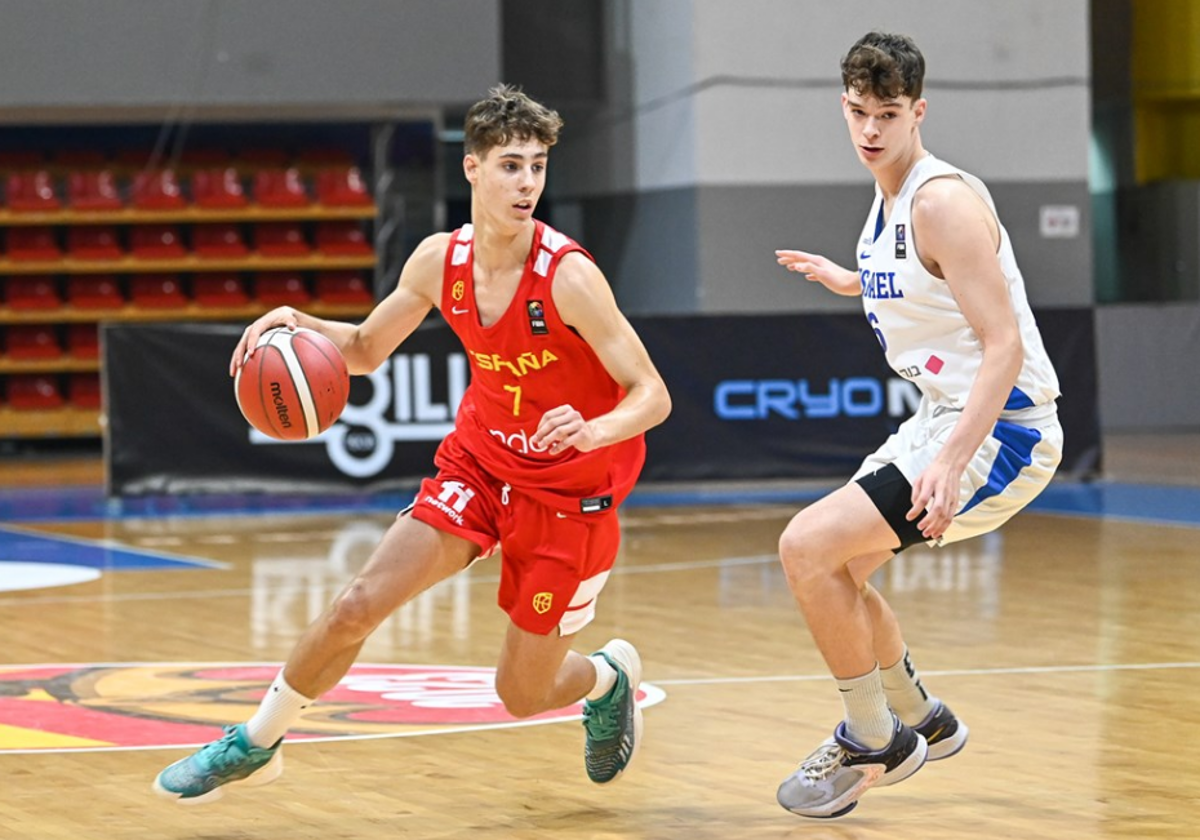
646	246
1145	358
713	247
247	53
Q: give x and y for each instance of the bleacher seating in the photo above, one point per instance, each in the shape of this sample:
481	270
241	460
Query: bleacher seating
33	291
218	241
93	242
94	291
157	291
93	189
32	341
275	187
219	289
31	191
157	189
282	288
342	239
156	242
83	390
342	287
342	186
219	188
83	341
36	242
32	392
280	239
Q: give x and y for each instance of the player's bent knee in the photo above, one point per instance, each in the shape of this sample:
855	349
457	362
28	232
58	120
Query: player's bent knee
351	615
518	700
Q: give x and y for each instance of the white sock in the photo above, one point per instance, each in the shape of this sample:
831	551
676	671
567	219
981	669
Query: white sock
606	677
868	718
279	709
905	694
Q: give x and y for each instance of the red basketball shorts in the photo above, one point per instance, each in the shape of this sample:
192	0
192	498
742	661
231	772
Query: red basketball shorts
553	564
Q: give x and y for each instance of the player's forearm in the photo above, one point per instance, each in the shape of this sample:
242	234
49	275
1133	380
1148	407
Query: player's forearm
993	384
644	406
848	284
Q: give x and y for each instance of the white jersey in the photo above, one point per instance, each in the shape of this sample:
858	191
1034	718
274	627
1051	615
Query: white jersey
923	332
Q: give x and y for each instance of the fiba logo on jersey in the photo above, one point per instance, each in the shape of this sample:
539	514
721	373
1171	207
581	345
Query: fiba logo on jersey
411	397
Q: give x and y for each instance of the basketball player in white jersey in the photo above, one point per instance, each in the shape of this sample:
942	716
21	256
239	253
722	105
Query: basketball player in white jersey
943	294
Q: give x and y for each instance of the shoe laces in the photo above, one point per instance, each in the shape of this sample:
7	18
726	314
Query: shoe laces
224	751
823	763
601	720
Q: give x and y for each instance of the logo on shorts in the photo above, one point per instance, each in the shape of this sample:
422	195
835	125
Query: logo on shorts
452	501
542	601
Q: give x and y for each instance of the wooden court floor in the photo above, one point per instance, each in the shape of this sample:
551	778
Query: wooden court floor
1069	644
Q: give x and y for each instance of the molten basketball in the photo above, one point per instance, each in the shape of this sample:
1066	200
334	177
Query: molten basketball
294	385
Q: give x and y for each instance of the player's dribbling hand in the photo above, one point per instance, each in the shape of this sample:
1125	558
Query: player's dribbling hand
562	428
818	269
283	316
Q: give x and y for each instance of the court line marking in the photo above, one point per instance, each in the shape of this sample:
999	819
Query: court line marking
962	672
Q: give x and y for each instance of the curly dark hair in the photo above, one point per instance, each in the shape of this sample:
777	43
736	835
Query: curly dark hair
507	114
885	66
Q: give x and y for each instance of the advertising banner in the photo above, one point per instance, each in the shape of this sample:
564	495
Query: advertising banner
787	396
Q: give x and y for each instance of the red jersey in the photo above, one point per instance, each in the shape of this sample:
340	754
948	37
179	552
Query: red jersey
525	364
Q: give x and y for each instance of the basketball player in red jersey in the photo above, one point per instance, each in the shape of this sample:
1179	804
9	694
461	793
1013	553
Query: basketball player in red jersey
548	442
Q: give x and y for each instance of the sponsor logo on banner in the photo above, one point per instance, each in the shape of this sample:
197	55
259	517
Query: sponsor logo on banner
402	407
793	399
69	708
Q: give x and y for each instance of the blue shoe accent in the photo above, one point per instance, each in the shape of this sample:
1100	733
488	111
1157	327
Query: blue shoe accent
228	760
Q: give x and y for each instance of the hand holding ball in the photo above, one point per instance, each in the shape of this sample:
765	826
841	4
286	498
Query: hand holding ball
294	385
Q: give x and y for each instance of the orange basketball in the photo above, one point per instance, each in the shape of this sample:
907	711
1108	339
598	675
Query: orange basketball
294	385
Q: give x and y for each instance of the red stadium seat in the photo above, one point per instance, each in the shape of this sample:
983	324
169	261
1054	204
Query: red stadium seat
156	242
342	238
342	287
280	188
220	289
218	241
157	189
83	390
280	239
93	242
31	191
93	189
281	289
218	188
32	392
32	341
32	243
83	341
342	186
157	291
32	291
94	291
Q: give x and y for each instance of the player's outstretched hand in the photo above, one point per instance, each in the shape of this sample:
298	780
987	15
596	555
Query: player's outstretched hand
561	428
283	316
821	270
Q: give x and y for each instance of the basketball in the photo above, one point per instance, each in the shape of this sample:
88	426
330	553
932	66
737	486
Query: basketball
294	385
